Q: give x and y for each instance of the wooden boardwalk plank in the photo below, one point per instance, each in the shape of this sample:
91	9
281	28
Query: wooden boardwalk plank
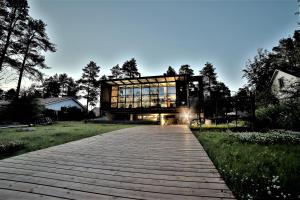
144	162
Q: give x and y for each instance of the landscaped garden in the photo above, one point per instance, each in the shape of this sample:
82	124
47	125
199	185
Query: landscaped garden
16	141
256	165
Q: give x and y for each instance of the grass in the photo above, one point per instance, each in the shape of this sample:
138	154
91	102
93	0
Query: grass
17	141
255	170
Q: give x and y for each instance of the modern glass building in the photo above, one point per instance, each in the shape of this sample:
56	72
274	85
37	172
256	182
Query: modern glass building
161	99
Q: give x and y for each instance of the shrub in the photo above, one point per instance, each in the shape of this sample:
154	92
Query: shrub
285	115
11	147
24	110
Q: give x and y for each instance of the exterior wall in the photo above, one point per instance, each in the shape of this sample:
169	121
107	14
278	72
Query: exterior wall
68	103
287	80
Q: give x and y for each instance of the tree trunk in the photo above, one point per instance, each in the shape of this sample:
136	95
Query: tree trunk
4	50
22	71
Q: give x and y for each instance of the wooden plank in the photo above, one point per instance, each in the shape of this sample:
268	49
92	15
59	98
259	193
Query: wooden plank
145	162
126	179
154	194
13	195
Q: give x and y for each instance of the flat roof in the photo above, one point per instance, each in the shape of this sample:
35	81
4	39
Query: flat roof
146	79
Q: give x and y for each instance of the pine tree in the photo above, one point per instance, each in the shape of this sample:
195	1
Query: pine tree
33	41
13	16
208	72
129	69
90	84
171	71
116	72
186	69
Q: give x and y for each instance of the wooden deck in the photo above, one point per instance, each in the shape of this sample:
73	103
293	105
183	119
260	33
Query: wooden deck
144	162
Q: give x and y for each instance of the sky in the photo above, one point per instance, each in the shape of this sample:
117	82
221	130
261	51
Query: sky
162	33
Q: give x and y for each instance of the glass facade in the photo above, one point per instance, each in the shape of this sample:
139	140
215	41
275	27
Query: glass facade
151	95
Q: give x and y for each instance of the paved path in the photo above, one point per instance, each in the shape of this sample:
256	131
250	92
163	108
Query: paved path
144	162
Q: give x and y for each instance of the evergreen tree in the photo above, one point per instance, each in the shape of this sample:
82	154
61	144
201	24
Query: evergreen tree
208	72
129	69
33	41
51	87
116	72
171	71
90	84
13	16
186	69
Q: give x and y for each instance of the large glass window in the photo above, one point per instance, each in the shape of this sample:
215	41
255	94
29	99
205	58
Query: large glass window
144	95
114	96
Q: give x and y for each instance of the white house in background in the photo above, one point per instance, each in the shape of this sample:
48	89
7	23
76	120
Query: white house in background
282	82
57	103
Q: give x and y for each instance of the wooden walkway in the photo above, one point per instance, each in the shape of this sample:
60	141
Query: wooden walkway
144	162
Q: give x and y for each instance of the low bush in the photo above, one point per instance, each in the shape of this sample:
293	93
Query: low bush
273	137
285	115
24	110
11	147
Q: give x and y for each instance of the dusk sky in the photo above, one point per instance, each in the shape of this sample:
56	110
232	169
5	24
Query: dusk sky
162	33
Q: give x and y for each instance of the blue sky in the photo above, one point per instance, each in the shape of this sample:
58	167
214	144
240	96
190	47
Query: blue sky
160	33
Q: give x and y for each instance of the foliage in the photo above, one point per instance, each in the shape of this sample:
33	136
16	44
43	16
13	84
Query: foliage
171	71
116	72
129	69
255	171
24	110
51	86
285	115
33	41
10	94
272	137
55	134
10	147
285	56
186	69
13	15
209	73
90	84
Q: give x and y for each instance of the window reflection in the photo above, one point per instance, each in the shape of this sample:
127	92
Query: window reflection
144	95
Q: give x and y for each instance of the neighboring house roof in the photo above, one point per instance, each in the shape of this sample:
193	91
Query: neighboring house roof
54	100
282	84
280	71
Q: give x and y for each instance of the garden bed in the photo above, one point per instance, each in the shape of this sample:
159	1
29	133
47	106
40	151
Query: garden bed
256	165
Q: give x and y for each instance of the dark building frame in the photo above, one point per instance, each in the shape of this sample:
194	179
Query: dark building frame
186	98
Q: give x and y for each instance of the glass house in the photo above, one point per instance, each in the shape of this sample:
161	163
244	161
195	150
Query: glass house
158	99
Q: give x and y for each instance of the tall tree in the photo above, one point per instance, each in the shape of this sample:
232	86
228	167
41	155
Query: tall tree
208	72
285	56
63	81
171	71
90	84
51	87
72	88
186	69
33	41
13	15
129	68
116	72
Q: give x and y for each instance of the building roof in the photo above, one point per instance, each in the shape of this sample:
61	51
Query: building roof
146	79
53	100
277	71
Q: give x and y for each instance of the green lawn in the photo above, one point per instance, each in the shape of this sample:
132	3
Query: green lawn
15	141
256	167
